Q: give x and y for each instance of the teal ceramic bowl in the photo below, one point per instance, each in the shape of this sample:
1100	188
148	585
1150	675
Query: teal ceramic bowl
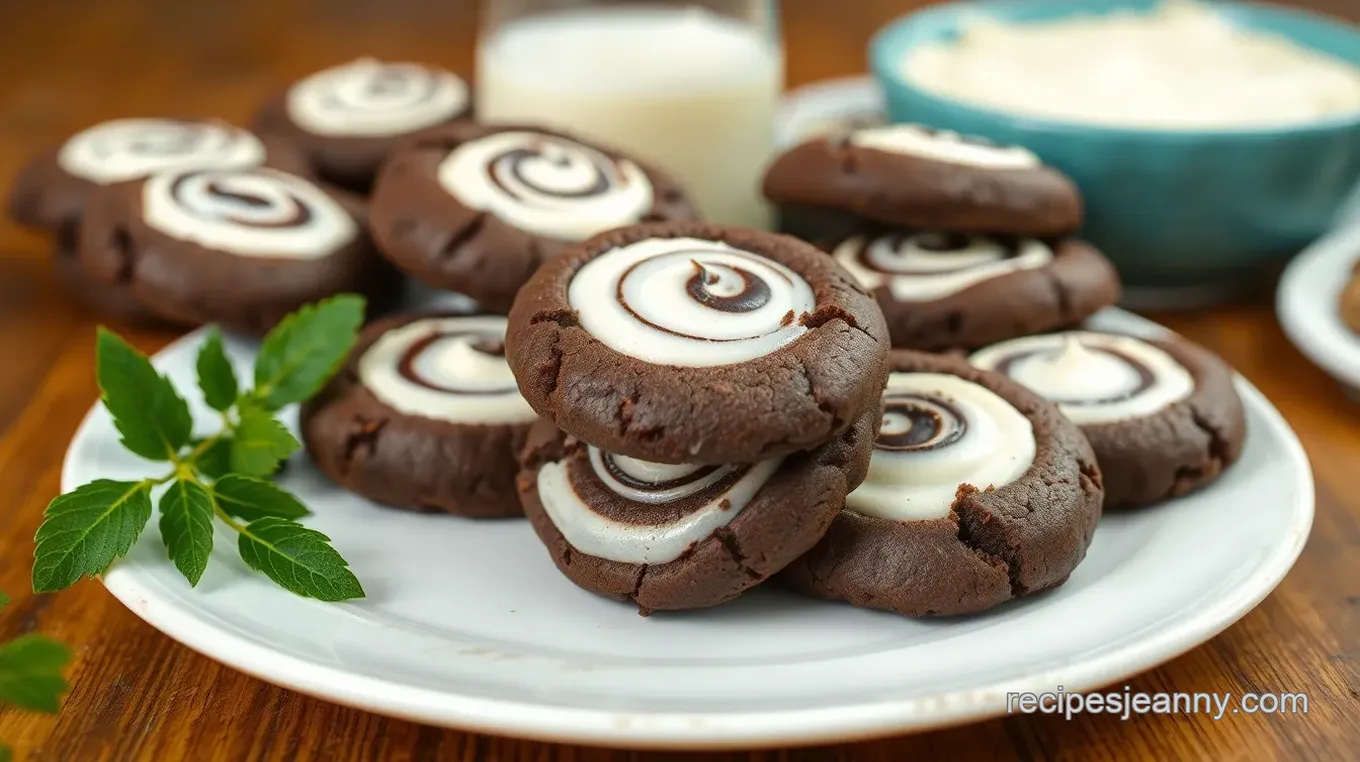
1170	208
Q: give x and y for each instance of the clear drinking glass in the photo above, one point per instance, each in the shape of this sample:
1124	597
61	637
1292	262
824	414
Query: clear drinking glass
690	87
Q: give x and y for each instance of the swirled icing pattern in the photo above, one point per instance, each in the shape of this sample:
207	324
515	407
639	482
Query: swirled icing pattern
447	368
939	432
129	149
923	266
715	495
369	98
547	185
248	212
944	145
690	302
1094	377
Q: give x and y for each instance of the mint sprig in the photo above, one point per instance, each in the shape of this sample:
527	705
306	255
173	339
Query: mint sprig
30	674
218	476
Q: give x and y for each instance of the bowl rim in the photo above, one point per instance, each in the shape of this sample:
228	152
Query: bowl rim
885	54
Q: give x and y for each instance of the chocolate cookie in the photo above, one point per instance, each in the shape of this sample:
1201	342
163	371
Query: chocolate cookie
346	120
978	492
944	291
1350	301
475	209
682	536
424	415
1161	414
239	247
916	176
687	342
113	302
51	190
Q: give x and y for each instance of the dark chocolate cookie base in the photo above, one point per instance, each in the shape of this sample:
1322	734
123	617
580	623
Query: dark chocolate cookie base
409	461
897	189
795	398
187	284
435	238
785	518
996	544
1075	285
1180	449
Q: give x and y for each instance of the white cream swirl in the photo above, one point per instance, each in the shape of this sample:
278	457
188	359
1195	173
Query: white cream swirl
690	302
447	368
940	432
718	493
369	98
248	212
924	266
129	149
946	146
547	185
1093	377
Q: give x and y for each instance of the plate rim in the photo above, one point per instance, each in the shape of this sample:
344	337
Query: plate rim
719	730
1300	314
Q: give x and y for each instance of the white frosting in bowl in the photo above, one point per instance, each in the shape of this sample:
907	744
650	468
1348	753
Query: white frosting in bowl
1181	66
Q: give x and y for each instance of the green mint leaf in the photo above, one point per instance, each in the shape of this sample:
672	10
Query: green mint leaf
6	753
215	375
187	527
151	416
260	442
299	559
84	530
30	673
4	600
306	349
246	497
214	462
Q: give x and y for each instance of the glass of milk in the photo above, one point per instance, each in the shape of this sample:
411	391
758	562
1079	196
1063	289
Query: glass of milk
690	87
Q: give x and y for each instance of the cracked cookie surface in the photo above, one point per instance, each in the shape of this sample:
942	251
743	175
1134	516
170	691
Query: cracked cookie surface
978	492
476	209
687	342
1161	414
682	536
237	247
912	175
424	415
941	291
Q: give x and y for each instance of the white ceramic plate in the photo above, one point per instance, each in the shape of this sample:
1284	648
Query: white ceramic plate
1308	299
828	105
468	624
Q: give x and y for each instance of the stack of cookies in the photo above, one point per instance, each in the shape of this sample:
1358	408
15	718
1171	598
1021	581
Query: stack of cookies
710	396
963	242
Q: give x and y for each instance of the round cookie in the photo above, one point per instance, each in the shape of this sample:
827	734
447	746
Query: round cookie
1349	305
916	176
476	209
687	342
53	188
424	415
1161	414
346	120
682	536
111	302
942	291
240	247
978	491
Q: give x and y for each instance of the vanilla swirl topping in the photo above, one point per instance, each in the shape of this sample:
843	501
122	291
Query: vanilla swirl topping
128	149
248	212
709	497
1093	377
690	302
924	266
447	368
940	432
547	185
946	146
368	98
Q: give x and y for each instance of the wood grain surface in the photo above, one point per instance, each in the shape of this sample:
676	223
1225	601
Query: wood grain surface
138	695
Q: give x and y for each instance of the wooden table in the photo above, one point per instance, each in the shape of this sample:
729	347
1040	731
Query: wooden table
139	695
